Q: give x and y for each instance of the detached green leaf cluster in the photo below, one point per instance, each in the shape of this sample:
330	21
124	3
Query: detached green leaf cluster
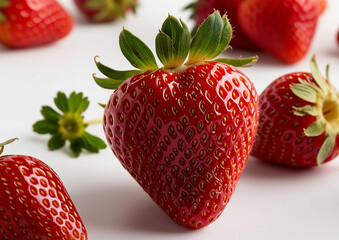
68	125
175	49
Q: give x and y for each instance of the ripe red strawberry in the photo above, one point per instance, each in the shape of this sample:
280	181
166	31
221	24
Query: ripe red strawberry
34	204
183	131
27	23
299	120
283	28
105	10
202	8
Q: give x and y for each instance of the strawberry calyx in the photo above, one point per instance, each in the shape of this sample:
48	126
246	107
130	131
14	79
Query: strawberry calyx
109	9
324	105
3	144
175	49
3	4
68	125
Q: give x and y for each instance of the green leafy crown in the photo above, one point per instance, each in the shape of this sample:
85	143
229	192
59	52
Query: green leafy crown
175	49
110	9
68	125
323	104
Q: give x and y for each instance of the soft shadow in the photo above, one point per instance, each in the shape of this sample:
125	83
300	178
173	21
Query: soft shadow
123	208
256	168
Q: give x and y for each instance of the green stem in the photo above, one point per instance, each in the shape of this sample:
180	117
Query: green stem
94	121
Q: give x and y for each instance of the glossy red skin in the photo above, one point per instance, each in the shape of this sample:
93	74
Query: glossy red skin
283	28
34	22
185	137
280	137
34	203
207	7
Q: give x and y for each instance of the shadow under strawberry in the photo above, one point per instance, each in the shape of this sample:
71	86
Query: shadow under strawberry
129	210
260	169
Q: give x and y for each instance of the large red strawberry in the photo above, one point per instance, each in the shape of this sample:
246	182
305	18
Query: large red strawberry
183	131
283	28
34	204
105	10
299	120
202	8
27	23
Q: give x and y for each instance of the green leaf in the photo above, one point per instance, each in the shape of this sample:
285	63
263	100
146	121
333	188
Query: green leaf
242	62
317	75
61	102
211	39
326	149
93	4
94	141
56	142
76	146
45	126
108	83
314	129
136	51
305	110
192	6
77	103
305	92
50	114
115	74
173	42
68	126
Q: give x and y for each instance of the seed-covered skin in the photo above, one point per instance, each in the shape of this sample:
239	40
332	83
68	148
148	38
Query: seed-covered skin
34	22
297	21
280	137
185	137
34	204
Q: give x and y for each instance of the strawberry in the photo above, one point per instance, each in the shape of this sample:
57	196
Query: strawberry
68	125
299	120
183	131
323	6
27	23
283	28
202	8
105	10
34	204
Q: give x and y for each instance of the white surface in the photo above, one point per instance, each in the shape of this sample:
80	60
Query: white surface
269	203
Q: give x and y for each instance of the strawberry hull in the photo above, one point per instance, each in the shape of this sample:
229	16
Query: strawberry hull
185	136
281	134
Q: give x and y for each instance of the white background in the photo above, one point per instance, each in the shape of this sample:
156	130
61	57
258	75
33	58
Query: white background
270	202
